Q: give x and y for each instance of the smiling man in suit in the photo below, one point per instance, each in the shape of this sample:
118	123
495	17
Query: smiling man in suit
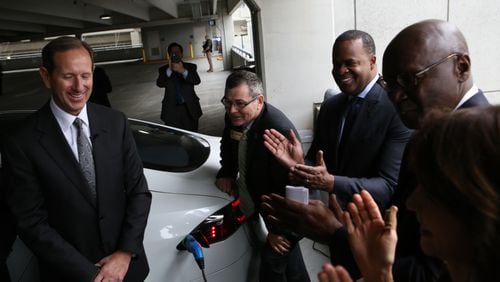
75	181
359	139
358	145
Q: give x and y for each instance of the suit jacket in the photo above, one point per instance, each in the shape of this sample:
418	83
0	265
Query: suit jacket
372	155
411	264
264	173
50	198
192	101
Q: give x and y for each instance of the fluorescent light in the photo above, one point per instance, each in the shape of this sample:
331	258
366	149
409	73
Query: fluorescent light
105	17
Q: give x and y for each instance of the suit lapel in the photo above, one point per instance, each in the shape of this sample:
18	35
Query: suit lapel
54	142
477	100
366	113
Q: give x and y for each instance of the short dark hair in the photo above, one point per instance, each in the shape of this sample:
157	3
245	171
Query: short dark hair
62	44
240	77
368	43
172	45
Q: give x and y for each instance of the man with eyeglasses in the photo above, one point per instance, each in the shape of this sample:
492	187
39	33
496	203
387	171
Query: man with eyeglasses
248	170
426	68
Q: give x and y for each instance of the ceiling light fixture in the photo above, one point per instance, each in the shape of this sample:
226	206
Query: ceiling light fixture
105	17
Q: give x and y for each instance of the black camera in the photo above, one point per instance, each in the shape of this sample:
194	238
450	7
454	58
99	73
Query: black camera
175	58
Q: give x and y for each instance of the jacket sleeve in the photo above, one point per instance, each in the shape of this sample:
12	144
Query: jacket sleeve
383	185
138	196
161	81
192	77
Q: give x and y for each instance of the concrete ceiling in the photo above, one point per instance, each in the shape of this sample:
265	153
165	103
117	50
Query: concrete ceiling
33	19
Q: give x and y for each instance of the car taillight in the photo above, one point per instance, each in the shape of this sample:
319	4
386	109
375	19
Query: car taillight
218	226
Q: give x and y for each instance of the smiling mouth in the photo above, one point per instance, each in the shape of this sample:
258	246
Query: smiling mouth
344	80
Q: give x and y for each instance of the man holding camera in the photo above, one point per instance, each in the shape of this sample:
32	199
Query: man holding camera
180	106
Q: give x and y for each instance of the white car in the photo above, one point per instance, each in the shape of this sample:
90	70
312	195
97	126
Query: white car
180	167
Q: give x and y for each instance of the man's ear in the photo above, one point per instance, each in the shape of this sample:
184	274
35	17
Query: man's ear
44	73
463	67
373	62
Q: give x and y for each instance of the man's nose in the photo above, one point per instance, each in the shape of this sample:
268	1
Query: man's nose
79	84
232	108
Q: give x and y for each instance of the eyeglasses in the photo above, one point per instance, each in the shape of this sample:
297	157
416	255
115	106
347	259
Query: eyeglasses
408	80
239	104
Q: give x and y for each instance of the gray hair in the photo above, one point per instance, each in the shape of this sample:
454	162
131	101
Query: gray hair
240	77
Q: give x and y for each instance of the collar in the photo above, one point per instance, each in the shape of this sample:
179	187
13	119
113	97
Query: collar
66	120
368	87
472	91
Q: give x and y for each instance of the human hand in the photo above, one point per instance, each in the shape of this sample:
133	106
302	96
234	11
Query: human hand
314	177
177	67
314	220
226	185
113	267
287	152
330	273
372	241
278	243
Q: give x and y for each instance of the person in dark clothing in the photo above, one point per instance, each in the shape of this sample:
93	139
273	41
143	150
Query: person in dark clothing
455	158
180	106
101	88
425	67
248	171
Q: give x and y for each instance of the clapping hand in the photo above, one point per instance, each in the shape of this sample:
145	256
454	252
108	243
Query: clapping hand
372	240
287	152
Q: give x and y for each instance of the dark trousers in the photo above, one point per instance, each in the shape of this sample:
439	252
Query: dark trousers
282	268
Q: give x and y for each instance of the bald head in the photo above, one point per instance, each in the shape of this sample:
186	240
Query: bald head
434	43
431	38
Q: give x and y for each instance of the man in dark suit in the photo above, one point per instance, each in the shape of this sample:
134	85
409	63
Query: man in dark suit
248	170
426	67
350	152
421	76
75	181
180	106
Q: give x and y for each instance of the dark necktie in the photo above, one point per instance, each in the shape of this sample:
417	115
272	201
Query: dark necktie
178	92
247	204
85	157
350	117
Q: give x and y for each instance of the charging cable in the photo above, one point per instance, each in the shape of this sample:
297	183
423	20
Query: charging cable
195	248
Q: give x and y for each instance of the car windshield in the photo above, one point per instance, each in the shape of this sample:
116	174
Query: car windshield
167	149
160	148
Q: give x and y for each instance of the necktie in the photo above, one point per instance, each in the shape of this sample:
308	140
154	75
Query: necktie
85	157
178	93
350	117
247	205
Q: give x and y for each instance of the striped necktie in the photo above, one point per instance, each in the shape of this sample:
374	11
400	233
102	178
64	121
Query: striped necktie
247	205
85	157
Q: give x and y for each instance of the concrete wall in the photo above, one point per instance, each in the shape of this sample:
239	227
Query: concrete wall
296	40
297	36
